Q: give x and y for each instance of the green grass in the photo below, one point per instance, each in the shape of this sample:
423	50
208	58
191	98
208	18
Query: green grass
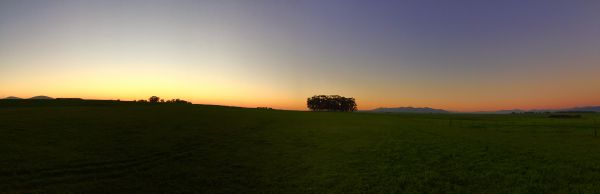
123	147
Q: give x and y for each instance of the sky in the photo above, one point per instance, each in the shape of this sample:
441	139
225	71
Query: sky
465	55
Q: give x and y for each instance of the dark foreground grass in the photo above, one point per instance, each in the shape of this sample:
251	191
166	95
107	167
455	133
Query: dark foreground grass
136	148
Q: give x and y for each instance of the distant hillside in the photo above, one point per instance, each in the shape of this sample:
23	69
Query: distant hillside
409	110
583	109
576	109
41	98
12	98
62	103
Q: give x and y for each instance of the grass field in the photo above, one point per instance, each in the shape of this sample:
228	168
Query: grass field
108	147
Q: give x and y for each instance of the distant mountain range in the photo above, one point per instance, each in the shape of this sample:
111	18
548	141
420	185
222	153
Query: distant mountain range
409	110
584	109
575	109
432	110
12	98
32	98
41	98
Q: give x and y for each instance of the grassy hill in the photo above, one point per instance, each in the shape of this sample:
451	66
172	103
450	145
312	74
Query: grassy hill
121	147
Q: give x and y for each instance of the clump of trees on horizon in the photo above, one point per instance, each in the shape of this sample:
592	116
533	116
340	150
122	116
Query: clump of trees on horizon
156	99
331	103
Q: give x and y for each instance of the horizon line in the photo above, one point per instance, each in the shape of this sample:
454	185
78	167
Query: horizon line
306	109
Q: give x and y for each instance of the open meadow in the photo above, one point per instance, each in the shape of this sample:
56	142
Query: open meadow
123	147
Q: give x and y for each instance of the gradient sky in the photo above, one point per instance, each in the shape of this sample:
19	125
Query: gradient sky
458	55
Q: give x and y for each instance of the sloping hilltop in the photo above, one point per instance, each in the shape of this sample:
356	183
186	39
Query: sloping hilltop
119	147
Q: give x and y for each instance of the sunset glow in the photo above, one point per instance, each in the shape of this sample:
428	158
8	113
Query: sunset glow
503	55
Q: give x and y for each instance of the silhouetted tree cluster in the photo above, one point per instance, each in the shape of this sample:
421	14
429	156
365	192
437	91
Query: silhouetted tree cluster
156	99
153	99
177	101
331	103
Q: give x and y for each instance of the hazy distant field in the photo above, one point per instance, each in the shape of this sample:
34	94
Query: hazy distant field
105	147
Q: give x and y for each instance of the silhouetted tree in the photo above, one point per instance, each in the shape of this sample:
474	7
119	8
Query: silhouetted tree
331	103
153	99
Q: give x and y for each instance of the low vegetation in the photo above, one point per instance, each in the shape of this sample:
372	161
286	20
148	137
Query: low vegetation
156	99
565	116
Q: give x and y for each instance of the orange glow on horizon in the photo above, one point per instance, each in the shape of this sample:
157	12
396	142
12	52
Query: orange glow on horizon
266	54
